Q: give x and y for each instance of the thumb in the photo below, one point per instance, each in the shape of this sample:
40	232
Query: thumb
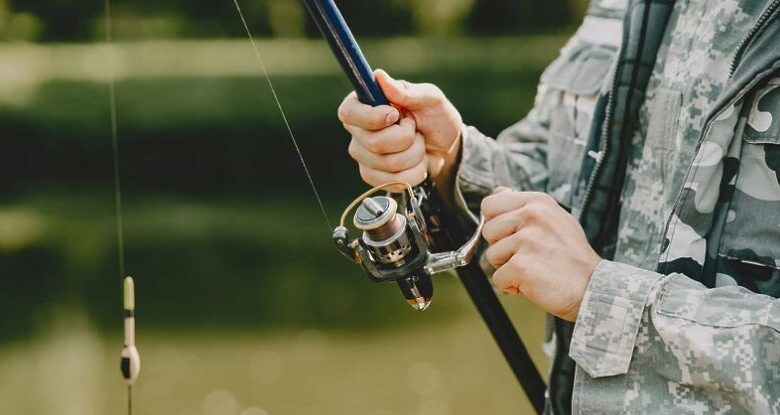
402	93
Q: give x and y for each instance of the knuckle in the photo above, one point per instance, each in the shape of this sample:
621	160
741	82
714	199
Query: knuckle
523	237
352	149
344	112
502	280
519	266
418	142
490	237
394	163
408	134
422	172
375	145
368	175
433	92
377	119
414	175
489	233
525	214
490	257
517	196
542	197
531	213
487	204
403	138
438	97
546	198
518	217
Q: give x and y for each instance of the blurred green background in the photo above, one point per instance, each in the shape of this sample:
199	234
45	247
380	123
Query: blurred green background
244	307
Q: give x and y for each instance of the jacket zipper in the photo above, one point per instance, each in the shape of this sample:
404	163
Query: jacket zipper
603	148
743	45
755	30
606	126
604	145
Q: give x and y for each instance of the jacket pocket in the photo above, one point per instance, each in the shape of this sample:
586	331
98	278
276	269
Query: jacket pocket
749	251
569	90
653	180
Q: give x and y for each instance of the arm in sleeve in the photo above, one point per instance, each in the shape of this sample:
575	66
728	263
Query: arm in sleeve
719	340
516	159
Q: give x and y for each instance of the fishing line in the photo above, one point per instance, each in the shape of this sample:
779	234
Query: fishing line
260	60
129	399
115	145
120	239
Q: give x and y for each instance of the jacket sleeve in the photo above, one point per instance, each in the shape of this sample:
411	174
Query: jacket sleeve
516	159
545	150
720	341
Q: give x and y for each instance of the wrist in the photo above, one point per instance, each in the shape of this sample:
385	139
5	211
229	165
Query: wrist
452	157
445	179
579	287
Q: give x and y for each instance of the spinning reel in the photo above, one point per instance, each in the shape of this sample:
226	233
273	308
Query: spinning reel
396	243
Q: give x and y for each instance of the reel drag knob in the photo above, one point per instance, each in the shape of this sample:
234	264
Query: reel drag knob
384	231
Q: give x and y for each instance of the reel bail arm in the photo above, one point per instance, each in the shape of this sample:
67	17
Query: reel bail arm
394	245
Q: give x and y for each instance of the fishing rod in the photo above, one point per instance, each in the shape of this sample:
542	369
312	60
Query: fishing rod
408	242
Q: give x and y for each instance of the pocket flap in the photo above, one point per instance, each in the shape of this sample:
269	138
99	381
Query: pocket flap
763	124
580	70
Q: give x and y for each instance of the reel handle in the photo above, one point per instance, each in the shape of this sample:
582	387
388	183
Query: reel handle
444	261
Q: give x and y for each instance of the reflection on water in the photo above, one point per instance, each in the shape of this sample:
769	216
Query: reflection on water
59	373
71	369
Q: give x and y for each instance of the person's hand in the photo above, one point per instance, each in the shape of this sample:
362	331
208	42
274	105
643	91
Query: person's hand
538	249
424	141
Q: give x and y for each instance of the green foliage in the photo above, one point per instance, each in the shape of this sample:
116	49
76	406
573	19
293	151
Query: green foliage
219	216
68	20
512	16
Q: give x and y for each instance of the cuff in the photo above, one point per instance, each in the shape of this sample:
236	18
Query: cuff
610	317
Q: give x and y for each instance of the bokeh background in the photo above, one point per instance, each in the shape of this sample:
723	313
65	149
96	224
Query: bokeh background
244	307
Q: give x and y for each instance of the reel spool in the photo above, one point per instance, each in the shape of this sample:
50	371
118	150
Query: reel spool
395	244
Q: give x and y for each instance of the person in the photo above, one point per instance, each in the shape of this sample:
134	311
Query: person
638	202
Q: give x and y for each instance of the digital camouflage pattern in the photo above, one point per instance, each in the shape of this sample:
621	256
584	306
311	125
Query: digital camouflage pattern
689	74
691	351
699	205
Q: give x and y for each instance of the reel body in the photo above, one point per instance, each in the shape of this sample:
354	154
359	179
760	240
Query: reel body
395	244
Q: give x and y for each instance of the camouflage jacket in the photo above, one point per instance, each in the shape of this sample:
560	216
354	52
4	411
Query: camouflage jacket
658	126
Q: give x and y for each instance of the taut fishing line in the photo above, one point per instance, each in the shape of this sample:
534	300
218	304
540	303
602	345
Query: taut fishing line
115	144
130	359
260	60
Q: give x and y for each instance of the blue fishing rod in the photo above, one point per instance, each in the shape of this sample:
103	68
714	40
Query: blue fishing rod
407	242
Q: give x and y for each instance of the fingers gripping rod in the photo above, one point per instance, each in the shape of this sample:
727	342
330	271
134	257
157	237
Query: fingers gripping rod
443	229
